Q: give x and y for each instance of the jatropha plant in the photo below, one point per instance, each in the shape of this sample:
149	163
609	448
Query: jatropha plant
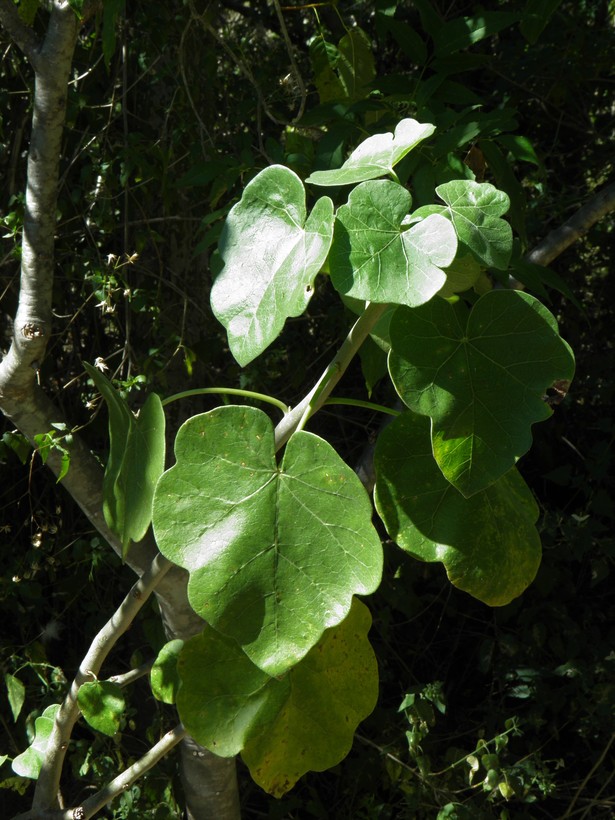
274	529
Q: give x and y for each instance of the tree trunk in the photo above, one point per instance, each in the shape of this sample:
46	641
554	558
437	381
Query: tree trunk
209	782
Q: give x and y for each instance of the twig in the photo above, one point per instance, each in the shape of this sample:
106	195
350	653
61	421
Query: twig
49	779
589	776
124	780
293	62
579	224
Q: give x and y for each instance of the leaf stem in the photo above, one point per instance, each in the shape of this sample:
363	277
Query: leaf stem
230	391
318	395
368	405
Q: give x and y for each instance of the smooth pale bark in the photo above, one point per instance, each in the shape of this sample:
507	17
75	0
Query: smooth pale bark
210	784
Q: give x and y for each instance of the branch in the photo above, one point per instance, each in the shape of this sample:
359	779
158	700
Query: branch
48	781
577	226
125	780
32	326
21	34
332	374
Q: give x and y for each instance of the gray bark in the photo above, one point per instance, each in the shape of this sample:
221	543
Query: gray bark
211	789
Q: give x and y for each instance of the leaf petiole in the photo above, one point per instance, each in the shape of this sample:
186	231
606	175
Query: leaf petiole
230	391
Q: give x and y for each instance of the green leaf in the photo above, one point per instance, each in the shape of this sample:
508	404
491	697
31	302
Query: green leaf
463	32
284	727
488	543
102	705
16	693
111	11
271	255
481	377
164	677
374	258
505	178
18	443
376	156
135	463
27	10
461	274
29	763
536	16
475	209
343	73
275	553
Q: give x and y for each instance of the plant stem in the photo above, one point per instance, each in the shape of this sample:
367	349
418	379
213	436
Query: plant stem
48	782
231	391
368	405
319	394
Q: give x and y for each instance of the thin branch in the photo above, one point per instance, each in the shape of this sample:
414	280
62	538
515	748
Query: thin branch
48	781
574	228
293	62
589	776
125	780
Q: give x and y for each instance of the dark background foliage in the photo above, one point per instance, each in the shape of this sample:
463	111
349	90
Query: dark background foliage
173	108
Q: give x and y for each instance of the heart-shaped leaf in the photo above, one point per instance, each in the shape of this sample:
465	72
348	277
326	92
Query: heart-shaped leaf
481	377
102	705
164	679
271	255
284	727
29	763
475	209
488	543
372	257
376	156
275	553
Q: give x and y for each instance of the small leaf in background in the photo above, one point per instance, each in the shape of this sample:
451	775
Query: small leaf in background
102	705
28	763
374	258
536	16
18	443
346	71
488	543
164	678
275	552
283	727
481	377
16	693
272	254
376	156
475	209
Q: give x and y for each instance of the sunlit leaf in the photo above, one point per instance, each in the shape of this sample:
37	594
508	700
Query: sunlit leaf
275	552
376	156
488	543
283	727
102	705
16	693
163	677
373	257
480	376
271	255
29	763
476	209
